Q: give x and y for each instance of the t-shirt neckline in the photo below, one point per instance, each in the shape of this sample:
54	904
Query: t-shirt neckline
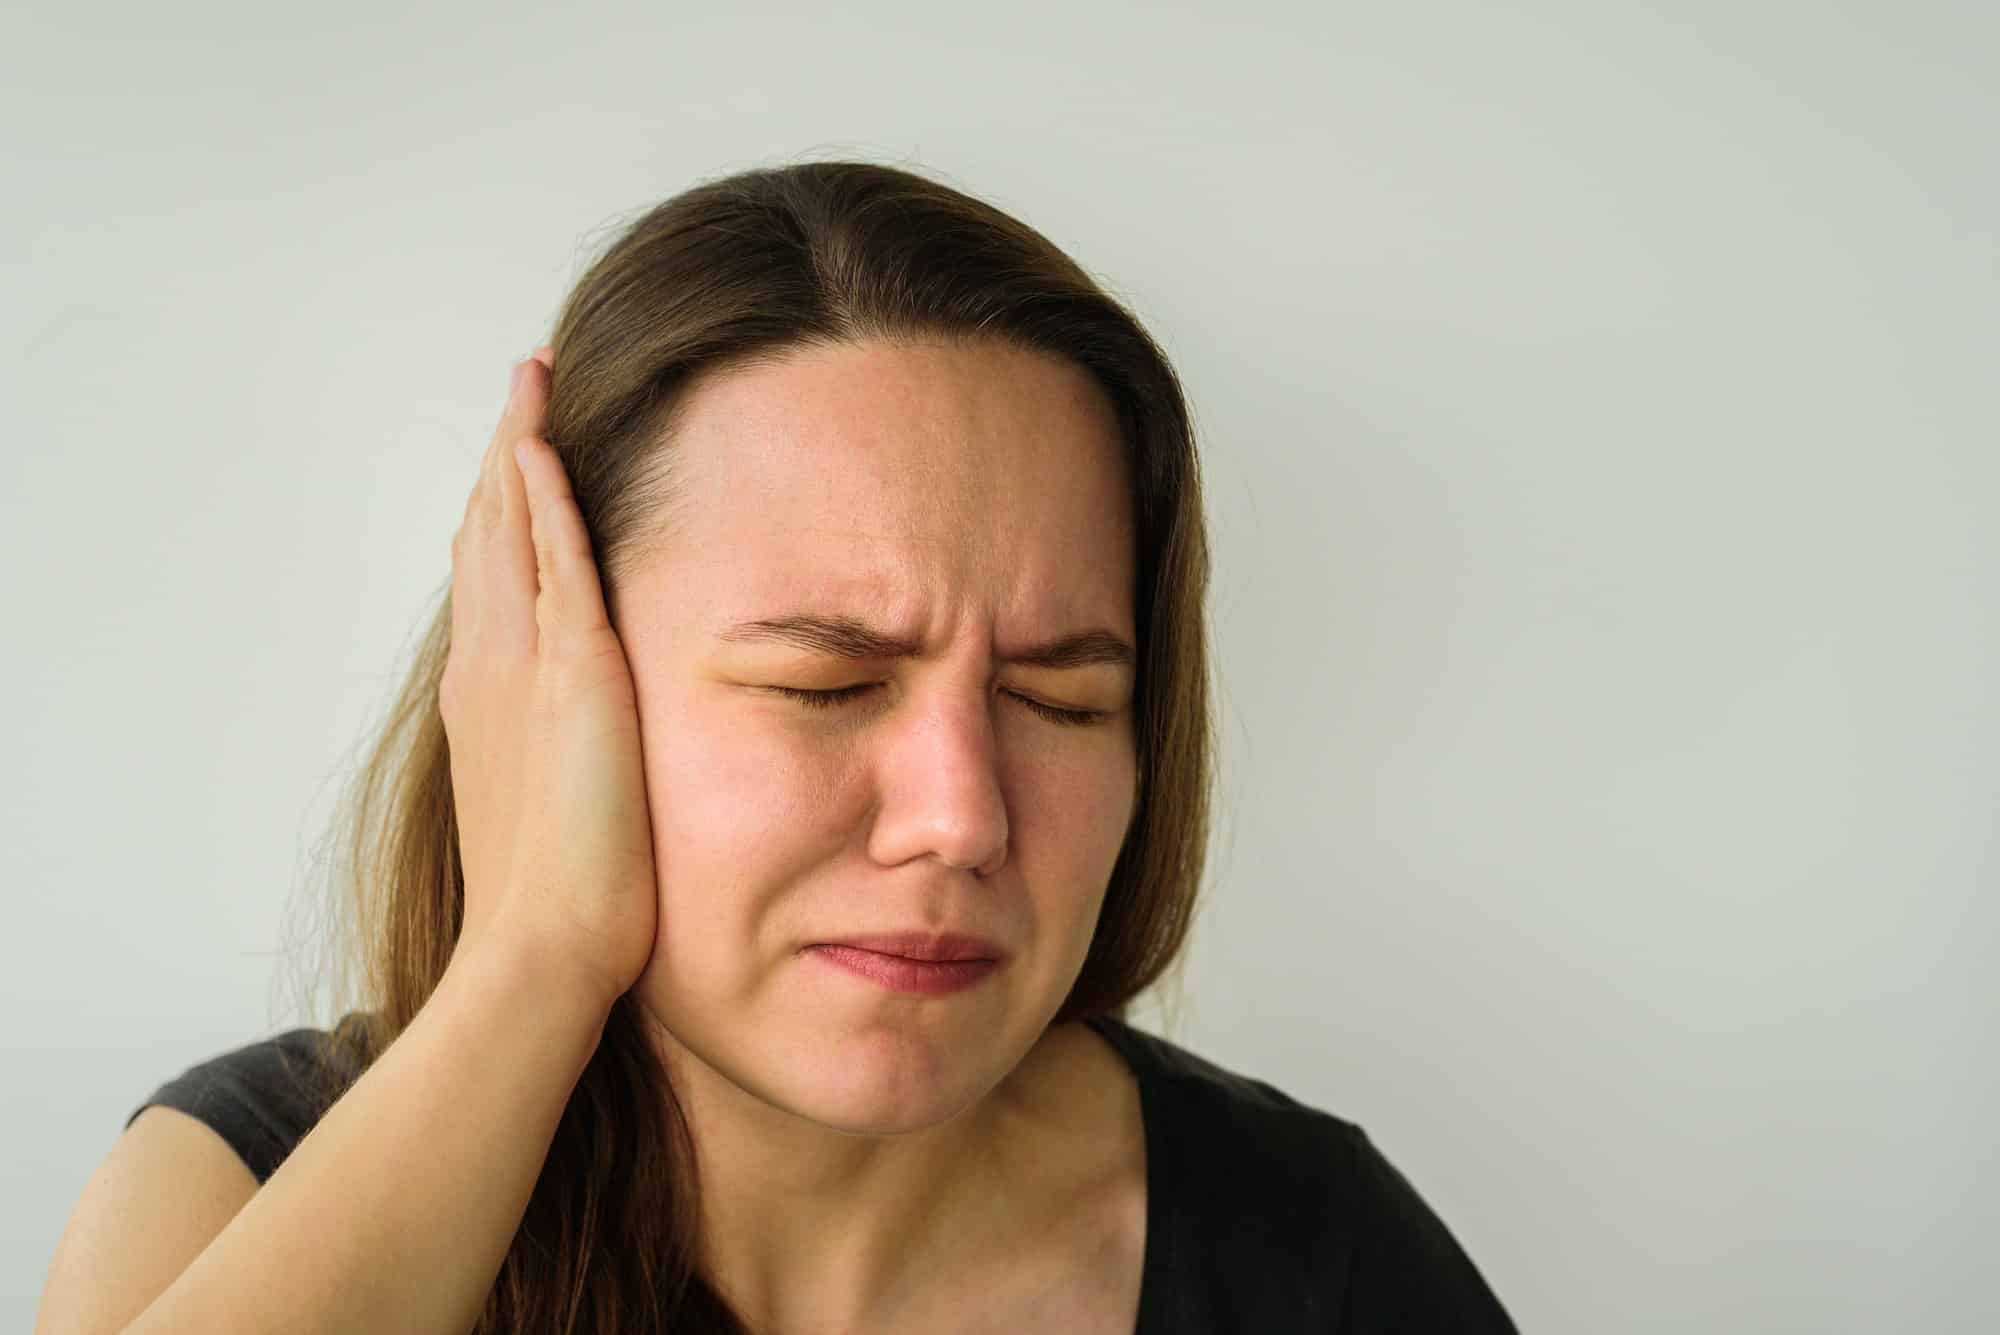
1129	1044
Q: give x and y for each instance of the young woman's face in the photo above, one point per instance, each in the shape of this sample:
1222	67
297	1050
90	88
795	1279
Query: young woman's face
971	501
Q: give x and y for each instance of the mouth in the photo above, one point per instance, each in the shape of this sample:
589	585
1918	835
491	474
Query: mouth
926	947
900	973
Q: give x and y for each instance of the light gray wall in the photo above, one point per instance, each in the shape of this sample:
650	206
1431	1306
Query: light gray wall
1598	419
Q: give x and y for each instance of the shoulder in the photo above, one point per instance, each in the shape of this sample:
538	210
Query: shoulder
1237	1151
264	1096
1259	1198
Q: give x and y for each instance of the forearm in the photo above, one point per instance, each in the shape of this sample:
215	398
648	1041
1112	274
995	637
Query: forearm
394	1213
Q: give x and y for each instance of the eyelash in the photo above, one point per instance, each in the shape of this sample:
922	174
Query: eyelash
1069	718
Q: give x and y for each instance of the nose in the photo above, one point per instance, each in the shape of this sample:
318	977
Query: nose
939	782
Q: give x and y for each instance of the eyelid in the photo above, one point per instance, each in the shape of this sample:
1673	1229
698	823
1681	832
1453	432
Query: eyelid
832	698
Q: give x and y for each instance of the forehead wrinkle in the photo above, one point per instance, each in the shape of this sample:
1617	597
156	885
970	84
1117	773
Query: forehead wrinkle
916	498
844	636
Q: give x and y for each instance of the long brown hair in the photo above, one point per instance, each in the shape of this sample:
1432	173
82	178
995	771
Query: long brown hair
730	273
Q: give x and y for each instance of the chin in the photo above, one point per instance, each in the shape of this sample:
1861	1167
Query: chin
876	1076
882	1083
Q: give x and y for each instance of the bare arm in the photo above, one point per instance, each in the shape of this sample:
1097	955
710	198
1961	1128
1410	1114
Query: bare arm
394	1213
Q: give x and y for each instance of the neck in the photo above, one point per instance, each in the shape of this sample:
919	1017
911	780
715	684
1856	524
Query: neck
804	1223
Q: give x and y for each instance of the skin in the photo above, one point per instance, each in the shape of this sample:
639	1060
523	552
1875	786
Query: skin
859	1147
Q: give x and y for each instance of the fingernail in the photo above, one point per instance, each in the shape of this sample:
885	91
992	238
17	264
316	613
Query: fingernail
514	378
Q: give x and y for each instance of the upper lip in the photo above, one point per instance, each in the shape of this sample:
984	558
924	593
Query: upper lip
923	945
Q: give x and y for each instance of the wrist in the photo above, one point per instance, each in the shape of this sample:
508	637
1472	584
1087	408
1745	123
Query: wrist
534	987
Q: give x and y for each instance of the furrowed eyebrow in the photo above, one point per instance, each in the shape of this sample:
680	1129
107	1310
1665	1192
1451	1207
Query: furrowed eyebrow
847	637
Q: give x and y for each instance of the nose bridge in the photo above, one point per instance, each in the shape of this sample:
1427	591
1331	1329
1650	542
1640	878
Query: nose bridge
940	781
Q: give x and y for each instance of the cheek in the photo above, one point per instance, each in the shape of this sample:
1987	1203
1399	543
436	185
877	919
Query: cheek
734	826
730	796
1081	799
741	818
1069	816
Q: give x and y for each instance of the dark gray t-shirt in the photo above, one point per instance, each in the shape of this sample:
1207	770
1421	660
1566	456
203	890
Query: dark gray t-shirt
1263	1215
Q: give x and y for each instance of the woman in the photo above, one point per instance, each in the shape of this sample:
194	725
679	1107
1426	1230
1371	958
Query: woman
810	763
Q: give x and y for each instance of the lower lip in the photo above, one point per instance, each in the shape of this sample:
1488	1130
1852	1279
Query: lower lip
934	978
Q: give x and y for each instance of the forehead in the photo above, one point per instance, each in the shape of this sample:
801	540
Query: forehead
883	477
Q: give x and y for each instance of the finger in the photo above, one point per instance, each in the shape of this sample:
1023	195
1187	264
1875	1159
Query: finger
510	548
493	561
468	595
527	411
571	603
520	416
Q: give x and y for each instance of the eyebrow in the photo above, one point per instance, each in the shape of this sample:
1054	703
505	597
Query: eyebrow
847	637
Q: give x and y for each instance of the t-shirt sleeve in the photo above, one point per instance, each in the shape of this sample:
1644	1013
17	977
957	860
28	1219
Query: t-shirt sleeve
253	1097
1409	1274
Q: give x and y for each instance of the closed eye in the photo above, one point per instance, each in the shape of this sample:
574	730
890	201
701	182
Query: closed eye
1069	718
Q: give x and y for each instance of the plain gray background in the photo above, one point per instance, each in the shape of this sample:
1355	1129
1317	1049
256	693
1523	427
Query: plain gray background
1597	413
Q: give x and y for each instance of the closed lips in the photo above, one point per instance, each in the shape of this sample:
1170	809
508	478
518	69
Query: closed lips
923	946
